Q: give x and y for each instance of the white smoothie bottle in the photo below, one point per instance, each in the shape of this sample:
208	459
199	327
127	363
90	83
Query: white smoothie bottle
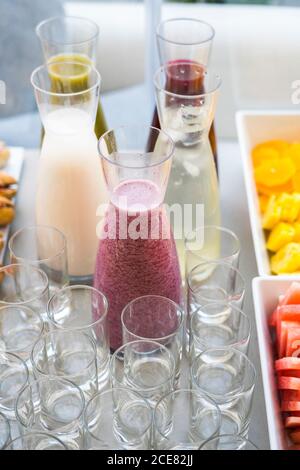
70	185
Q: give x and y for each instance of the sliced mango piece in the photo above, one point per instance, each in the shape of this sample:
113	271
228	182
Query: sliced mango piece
272	214
284	188
281	235
274	172
296	181
293	152
287	259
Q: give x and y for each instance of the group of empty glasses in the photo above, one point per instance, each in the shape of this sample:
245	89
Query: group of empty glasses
181	380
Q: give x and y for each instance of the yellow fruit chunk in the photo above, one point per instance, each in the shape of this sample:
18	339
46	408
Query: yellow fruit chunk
293	152
287	259
272	214
271	149
283	188
290	206
281	235
274	172
263	203
297	232
296	181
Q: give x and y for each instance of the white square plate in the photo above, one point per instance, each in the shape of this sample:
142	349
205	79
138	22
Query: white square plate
266	291
254	127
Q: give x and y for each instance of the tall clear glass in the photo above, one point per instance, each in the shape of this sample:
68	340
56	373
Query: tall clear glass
137	253
190	40
187	117
70	180
70	38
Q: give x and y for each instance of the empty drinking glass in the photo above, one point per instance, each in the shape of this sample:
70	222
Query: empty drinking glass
36	441
214	281
13	378
83	308
211	242
185	418
163	322
53	405
20	328
26	285
228	442
67	354
4	431
145	366
228	377
118	418
216	325
45	247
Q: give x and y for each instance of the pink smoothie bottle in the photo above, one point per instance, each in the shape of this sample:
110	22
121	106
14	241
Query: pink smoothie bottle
137	253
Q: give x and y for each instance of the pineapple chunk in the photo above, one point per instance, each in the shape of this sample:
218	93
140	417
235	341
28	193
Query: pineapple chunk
287	259
281	235
272	214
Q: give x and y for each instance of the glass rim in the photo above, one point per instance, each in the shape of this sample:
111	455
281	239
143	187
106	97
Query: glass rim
220	229
160	338
136	126
34	433
68	94
163	69
24	308
193	43
236	437
52	19
71	289
230	394
110	391
22	363
35	228
27	301
5	420
233	307
178	391
64	332
36	382
217	263
116	356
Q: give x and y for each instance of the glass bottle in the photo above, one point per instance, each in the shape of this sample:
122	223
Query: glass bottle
187	118
71	39
70	184
186	39
137	253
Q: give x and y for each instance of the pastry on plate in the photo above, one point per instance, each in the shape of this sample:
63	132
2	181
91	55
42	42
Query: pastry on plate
4	154
6	185
7	211
1	241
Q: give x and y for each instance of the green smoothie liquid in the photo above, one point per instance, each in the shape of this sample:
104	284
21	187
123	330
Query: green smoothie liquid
73	82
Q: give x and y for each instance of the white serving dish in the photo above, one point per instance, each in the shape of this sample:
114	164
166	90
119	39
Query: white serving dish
254	127
265	296
14	168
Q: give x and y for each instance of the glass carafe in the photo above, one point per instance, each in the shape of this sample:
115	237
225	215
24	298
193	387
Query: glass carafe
187	118
70	184
71	39
190	40
137	253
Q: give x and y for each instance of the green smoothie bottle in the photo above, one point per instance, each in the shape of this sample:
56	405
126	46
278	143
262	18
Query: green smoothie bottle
70	39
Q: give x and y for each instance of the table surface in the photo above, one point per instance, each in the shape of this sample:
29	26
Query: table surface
234	216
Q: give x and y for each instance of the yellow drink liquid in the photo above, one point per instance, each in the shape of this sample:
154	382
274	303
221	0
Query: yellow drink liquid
74	82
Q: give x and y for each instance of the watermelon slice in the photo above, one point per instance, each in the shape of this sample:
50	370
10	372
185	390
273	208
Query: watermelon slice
292	295
293	342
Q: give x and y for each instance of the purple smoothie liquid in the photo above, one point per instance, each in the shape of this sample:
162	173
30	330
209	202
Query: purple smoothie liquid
127	267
